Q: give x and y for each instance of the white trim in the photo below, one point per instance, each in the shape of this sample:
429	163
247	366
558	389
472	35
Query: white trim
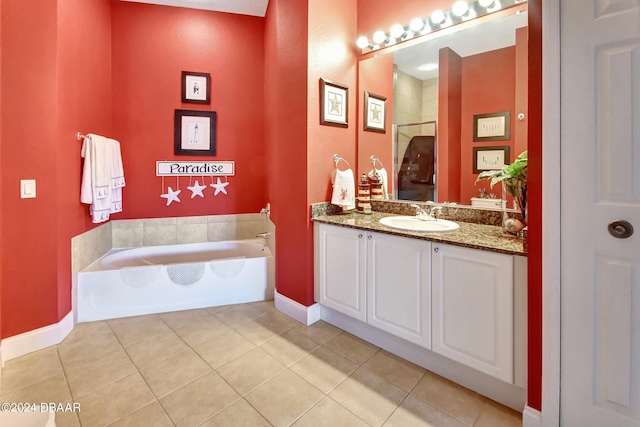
531	417
551	173
37	339
295	310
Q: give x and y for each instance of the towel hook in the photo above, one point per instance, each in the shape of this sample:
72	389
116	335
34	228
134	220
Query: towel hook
375	160
337	159
80	136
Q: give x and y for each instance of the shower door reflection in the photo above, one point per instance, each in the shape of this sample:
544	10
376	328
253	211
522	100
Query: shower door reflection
415	163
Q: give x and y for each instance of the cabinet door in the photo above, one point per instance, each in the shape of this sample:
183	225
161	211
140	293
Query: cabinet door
340	275
399	286
473	308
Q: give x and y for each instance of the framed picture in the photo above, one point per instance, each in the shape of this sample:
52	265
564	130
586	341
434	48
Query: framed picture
490	158
194	133
196	87
375	112
492	126
334	104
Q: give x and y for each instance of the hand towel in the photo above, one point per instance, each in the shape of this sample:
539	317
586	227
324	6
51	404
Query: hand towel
102	177
344	189
383	175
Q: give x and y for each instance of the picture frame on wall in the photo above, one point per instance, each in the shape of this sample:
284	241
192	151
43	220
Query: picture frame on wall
375	112
334	104
492	126
195	133
490	158
196	87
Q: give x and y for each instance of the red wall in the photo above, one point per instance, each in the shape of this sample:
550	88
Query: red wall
449	125
375	75
285	104
151	46
84	105
489	86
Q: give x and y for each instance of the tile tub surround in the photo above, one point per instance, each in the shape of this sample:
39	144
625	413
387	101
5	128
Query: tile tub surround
250	365
470	235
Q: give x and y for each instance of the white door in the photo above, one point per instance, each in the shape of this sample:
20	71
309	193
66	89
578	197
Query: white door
600	183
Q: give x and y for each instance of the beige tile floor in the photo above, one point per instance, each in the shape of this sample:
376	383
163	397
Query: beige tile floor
240	365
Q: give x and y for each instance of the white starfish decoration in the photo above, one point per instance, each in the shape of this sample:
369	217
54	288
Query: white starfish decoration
220	187
171	196
196	190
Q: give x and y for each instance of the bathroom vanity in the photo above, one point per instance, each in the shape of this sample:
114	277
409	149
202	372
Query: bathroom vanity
454	303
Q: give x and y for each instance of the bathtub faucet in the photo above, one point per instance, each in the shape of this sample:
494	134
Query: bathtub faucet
263	235
266	211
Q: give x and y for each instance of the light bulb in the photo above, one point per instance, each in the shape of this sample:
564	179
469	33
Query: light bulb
362	42
397	31
438	17
379	37
416	25
460	8
486	3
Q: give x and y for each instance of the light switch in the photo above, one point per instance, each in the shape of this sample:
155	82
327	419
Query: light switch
27	188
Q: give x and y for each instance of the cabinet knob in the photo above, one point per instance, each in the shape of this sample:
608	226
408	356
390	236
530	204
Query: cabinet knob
369	236
360	236
436	249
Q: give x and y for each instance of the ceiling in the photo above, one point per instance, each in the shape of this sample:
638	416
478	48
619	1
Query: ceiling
241	7
492	35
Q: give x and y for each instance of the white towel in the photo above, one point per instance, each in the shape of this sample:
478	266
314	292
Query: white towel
102	177
344	192
383	175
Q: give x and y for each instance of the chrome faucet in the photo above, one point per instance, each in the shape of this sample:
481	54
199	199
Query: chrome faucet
422	213
435	211
264	235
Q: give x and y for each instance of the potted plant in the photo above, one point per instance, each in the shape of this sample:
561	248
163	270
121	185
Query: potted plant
514	180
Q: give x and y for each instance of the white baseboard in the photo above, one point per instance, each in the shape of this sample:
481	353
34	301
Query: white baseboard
531	417
295	310
37	339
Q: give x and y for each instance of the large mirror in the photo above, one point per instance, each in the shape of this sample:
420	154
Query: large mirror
457	102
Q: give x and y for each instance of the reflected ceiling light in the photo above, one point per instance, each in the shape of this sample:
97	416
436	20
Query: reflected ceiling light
438	17
380	37
428	67
363	42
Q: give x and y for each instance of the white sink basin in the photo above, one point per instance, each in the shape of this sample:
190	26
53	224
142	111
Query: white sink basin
411	223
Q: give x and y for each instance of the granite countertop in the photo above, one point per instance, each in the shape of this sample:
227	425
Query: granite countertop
477	236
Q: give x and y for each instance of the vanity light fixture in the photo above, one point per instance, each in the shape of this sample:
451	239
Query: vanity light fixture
438	17
462	10
491	5
364	42
380	37
397	31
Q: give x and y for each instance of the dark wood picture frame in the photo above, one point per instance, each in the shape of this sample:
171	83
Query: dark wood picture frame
334	104
193	91
492	126
194	133
480	166
375	112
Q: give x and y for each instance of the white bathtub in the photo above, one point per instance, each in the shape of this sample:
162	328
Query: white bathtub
156	279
